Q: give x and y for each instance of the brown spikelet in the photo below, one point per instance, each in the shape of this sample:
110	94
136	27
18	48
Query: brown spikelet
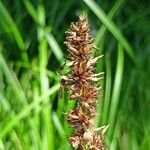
81	83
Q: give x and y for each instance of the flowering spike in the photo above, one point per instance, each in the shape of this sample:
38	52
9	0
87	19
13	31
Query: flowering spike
81	83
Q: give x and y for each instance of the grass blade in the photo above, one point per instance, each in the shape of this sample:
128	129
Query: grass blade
116	91
54	46
12	80
10	24
12	123
58	125
111	26
49	37
107	91
103	28
4	102
31	10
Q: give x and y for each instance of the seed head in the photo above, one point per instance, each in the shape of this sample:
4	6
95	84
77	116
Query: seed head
81	82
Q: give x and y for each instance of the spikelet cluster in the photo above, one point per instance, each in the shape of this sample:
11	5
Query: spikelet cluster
82	85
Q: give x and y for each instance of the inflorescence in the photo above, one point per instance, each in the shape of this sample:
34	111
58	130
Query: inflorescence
81	82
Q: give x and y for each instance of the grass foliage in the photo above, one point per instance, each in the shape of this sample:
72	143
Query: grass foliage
32	101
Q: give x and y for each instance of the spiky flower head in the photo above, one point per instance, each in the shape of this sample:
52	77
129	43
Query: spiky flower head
82	85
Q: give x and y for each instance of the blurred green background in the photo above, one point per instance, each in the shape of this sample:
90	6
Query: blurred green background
32	102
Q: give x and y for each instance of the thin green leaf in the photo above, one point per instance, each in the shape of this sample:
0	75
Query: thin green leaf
58	125
103	28
111	26
107	91
25	112
4	102
12	79
31	10
5	16
54	46
116	91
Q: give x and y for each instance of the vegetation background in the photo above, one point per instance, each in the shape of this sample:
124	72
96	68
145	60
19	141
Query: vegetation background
32	102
